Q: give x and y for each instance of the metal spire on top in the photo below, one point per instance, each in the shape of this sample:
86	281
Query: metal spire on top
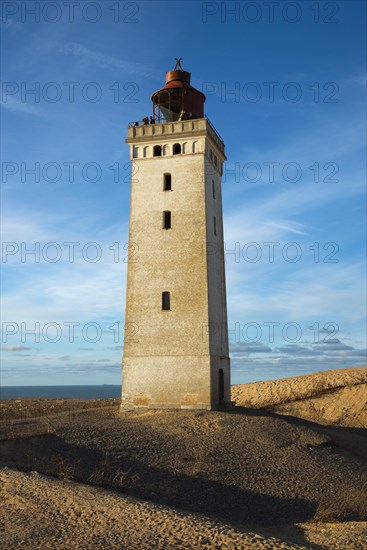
178	64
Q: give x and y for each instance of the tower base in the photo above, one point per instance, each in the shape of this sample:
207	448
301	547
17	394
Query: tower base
173	382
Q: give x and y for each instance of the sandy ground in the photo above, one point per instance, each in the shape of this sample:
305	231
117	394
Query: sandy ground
39	512
244	478
332	397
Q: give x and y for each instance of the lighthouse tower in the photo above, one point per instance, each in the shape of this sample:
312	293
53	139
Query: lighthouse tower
176	343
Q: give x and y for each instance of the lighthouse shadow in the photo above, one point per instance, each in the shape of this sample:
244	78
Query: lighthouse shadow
52	455
241	509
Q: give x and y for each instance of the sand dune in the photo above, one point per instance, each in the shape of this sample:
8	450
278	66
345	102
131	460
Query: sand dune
98	516
39	512
331	397
236	479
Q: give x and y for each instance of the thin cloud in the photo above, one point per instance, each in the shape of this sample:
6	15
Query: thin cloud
298	75
10	23
294	349
288	227
15	348
15	105
249	347
101	61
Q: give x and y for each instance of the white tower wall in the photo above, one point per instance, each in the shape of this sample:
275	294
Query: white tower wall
173	358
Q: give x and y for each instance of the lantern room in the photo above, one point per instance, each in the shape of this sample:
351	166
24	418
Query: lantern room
177	100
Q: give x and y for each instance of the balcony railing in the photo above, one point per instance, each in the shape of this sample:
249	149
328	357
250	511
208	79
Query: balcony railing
140	129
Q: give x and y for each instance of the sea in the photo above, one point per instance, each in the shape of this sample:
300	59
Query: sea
60	392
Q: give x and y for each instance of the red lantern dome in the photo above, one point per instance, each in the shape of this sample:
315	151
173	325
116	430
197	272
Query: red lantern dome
177	100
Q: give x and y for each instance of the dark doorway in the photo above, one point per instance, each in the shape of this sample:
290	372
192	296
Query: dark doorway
221	384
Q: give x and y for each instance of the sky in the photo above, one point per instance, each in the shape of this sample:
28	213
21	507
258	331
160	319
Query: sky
285	88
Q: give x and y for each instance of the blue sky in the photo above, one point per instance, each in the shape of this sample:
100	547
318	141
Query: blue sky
285	88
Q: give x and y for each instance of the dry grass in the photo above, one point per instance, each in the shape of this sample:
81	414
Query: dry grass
191	463
107	474
352	506
64	468
57	466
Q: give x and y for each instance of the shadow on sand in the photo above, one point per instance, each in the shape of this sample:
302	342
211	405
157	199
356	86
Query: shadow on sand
131	468
51	455
352	440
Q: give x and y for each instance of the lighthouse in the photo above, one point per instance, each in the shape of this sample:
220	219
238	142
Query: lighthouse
176	337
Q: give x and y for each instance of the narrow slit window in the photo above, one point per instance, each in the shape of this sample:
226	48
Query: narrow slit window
215	225
166	301
213	187
167	219
167	182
